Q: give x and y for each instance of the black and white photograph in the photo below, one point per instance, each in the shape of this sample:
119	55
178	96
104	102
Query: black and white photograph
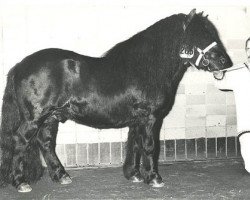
122	99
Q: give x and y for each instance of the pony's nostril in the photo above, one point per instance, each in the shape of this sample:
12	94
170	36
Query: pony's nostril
222	60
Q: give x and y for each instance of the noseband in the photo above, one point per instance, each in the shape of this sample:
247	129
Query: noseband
205	62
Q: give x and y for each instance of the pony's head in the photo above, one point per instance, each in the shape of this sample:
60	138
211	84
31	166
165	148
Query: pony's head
201	45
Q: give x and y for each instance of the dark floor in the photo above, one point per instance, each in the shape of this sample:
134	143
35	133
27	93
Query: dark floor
187	180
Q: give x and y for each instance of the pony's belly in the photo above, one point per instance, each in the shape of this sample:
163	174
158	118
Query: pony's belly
100	121
108	115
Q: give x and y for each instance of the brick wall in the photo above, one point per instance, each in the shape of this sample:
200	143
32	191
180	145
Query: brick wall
202	123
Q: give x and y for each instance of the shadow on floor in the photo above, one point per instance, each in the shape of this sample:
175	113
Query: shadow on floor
187	180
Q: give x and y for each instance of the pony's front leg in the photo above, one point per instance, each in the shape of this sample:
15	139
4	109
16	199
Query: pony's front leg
151	151
47	141
131	167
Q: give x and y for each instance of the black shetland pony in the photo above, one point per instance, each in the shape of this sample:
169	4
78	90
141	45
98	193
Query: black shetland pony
133	85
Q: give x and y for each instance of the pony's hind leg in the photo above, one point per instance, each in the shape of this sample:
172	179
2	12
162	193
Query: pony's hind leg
47	141
131	167
22	139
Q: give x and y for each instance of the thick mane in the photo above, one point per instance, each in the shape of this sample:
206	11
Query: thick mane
148	39
152	53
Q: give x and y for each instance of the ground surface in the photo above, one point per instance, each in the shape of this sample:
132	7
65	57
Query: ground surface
189	180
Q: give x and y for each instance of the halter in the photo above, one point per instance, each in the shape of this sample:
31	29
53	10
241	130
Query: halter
205	61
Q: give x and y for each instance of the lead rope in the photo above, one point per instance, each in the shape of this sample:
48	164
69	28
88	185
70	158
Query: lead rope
246	66
236	67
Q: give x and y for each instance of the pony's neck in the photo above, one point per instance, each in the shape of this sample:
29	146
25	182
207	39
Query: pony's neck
153	53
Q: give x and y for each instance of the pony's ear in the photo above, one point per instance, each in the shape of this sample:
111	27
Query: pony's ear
189	19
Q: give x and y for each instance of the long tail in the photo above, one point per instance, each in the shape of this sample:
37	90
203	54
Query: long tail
10	123
11	120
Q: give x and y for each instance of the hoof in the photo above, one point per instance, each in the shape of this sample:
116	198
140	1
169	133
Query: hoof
156	183
24	187
136	179
65	180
